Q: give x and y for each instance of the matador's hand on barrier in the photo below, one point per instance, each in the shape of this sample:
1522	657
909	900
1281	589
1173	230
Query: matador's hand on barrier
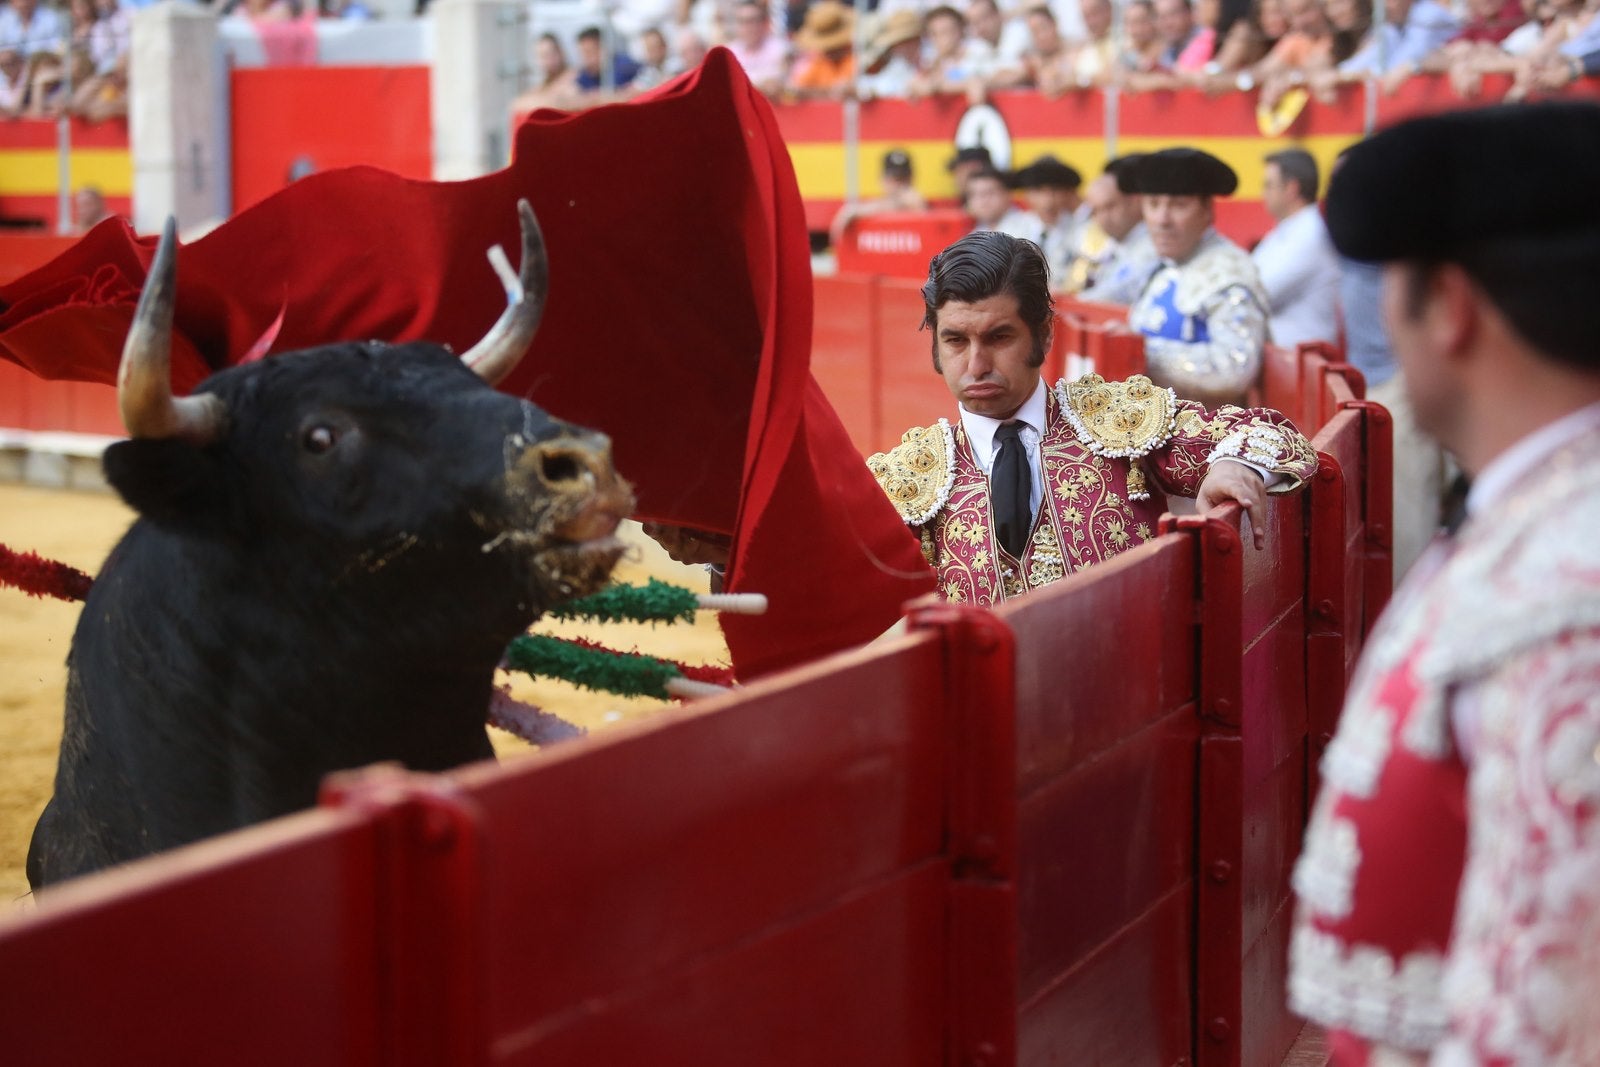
1227	481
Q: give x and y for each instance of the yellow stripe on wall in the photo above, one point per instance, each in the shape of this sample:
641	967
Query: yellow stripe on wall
35	171
820	167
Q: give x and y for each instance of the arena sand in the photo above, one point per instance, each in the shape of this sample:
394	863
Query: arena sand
80	529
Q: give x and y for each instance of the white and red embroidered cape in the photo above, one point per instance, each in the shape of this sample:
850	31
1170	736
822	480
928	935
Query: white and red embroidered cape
1450	899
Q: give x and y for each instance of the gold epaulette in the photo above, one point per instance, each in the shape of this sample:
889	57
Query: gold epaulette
1129	418
918	472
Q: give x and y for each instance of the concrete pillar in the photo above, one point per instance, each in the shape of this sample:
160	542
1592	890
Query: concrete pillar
479	49
178	118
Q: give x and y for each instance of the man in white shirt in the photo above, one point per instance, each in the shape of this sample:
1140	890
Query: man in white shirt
1050	189
1297	262
1118	265
30	28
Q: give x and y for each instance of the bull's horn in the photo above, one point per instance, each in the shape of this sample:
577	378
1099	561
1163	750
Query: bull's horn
144	381
503	347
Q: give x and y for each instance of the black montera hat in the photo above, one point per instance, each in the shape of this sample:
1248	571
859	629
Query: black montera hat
1439	187
1121	169
970	154
897	163
1046	172
1180	172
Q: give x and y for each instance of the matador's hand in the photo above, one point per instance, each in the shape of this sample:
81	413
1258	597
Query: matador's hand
1227	481
690	546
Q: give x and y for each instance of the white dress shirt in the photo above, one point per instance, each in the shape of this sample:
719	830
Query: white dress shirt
1300	270
981	430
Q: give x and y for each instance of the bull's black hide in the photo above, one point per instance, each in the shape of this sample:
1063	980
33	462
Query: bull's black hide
329	583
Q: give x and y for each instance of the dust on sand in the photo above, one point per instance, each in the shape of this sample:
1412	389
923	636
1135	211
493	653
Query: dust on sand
80	528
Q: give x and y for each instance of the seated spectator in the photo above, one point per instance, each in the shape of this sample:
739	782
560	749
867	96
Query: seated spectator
53	81
1246	42
688	50
1298	266
894	60
654	62
954	63
1141	45
763	54
1094	59
1411	30
827	64
88	208
31	27
1306	48
102	96
1489	22
1572	51
13	82
988	201
1042	64
110	36
1050	189
996	42
1184	45
591	48
555	80
899	194
1120	264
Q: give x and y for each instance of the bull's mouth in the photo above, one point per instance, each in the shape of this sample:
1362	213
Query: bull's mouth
579	554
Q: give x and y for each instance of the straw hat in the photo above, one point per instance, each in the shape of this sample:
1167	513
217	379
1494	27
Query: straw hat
901	26
828	25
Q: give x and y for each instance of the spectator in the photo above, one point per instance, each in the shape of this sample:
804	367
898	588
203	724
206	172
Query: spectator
688	50
1412	29
654	62
988	201
1203	311
31	28
1050	190
555	80
899	194
13	82
88	208
110	36
1249	40
1043	63
1298	267
1577	57
997	43
952	66
894	61
1181	40
763	54
1094	59
1142	47
591	48
54	81
1127	258
827	65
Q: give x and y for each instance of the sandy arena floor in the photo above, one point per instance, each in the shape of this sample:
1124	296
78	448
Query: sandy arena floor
80	528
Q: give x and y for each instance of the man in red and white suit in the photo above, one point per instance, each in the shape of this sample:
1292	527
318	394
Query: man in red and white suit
1449	891
1030	482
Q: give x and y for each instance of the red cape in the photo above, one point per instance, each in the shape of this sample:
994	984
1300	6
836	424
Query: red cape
679	322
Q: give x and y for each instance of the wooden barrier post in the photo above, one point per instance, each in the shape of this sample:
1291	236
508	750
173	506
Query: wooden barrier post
981	821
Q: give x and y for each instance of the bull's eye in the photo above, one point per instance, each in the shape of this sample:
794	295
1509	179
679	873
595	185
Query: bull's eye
320	438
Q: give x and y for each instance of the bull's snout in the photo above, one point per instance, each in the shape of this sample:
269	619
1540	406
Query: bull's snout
579	469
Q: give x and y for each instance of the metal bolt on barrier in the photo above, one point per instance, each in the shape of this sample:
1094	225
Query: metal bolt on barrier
437	830
1221	871
1219	1029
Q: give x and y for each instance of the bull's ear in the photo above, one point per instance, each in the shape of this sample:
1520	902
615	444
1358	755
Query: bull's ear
168	481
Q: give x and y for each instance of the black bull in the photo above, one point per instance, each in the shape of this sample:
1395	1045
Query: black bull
332	551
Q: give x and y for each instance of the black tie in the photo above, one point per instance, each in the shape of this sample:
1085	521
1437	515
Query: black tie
1010	486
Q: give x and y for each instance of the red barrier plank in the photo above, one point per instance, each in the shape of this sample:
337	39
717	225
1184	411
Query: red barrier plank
1130	1003
749	1006
1272	1029
913	393
1103	844
1115	690
900	244
259	948
844	359
647	852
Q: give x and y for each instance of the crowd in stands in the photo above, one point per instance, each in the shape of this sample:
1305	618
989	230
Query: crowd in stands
909	49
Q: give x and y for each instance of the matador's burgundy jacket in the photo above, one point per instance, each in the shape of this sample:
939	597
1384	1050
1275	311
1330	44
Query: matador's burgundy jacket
1111	452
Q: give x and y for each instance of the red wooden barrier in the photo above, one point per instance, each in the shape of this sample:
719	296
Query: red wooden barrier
899	245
